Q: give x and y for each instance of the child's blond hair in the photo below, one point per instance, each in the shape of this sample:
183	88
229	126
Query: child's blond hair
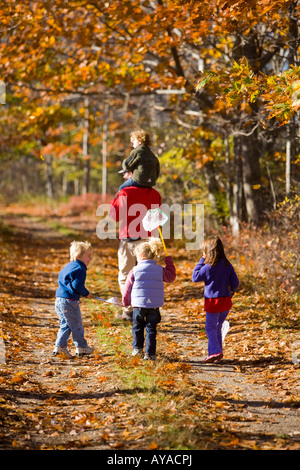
77	249
150	248
142	136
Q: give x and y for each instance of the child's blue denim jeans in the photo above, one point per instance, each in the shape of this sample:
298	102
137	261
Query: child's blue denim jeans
213	328
145	319
130	182
70	321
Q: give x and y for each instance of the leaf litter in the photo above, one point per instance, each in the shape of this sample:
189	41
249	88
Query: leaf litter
249	401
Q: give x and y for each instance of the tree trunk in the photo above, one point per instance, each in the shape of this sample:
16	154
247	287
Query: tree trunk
211	183
249	144
104	150
228	176
49	176
288	163
237	190
64	186
85	148
76	187
291	127
251	178
104	160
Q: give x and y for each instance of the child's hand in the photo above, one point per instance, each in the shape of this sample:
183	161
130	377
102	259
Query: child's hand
90	296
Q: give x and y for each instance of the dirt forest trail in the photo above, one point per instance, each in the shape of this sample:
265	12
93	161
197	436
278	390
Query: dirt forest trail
248	401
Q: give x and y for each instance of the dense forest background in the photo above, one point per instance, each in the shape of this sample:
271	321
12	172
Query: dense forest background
216	83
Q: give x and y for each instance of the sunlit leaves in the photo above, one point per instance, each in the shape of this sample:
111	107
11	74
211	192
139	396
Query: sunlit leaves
278	93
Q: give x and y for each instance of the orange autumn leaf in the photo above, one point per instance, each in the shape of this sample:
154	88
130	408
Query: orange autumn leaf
152	446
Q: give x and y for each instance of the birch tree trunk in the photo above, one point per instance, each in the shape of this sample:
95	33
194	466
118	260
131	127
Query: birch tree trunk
104	152
85	148
104	161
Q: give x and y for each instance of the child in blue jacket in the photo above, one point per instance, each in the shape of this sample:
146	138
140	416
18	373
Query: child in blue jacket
221	282
71	286
144	290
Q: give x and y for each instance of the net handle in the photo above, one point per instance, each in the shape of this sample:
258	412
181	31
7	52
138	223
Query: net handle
163	242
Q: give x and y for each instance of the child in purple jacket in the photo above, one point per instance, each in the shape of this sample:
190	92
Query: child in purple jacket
221	282
144	290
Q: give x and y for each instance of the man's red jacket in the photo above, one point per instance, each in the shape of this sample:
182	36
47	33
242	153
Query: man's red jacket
130	206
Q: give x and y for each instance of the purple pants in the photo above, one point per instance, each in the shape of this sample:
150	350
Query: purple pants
213	328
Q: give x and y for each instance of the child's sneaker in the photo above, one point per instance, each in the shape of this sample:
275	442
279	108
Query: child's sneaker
213	358
84	351
137	352
219	359
59	351
150	357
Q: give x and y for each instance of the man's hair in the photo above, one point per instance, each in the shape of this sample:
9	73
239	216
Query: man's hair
142	136
77	249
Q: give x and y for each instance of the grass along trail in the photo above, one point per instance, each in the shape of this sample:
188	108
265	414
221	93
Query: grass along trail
113	401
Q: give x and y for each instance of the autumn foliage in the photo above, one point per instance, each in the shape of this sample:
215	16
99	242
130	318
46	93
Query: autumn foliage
217	84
